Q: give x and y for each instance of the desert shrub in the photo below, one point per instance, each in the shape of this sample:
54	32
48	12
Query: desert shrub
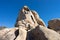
2	27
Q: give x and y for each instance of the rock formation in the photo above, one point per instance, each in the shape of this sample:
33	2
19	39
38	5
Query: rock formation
43	33
39	20
29	26
54	24
8	34
28	18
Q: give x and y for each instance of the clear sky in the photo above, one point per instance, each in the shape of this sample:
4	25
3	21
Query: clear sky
47	10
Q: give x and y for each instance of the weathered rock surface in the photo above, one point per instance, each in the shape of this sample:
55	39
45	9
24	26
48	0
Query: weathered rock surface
38	33
22	34
29	27
8	34
43	33
54	24
27	17
38	19
2	33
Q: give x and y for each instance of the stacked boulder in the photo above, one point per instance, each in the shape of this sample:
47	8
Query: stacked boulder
29	26
54	24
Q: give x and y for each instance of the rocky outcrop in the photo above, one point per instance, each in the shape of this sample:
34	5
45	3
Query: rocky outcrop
38	19
29	27
38	33
8	34
43	33
54	24
27	17
22	34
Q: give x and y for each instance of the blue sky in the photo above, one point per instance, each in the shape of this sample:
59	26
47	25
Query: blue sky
47	10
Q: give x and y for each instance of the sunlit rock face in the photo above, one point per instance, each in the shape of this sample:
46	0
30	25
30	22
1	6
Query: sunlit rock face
54	24
8	33
29	26
28	18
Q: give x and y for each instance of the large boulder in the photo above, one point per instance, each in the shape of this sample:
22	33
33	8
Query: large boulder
43	33
54	24
28	18
13	34
22	34
9	34
38	33
29	27
3	32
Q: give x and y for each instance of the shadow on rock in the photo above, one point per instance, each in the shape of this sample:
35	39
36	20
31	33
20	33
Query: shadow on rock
36	34
16	33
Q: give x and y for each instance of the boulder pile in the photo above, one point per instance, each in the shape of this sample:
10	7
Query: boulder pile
29	26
